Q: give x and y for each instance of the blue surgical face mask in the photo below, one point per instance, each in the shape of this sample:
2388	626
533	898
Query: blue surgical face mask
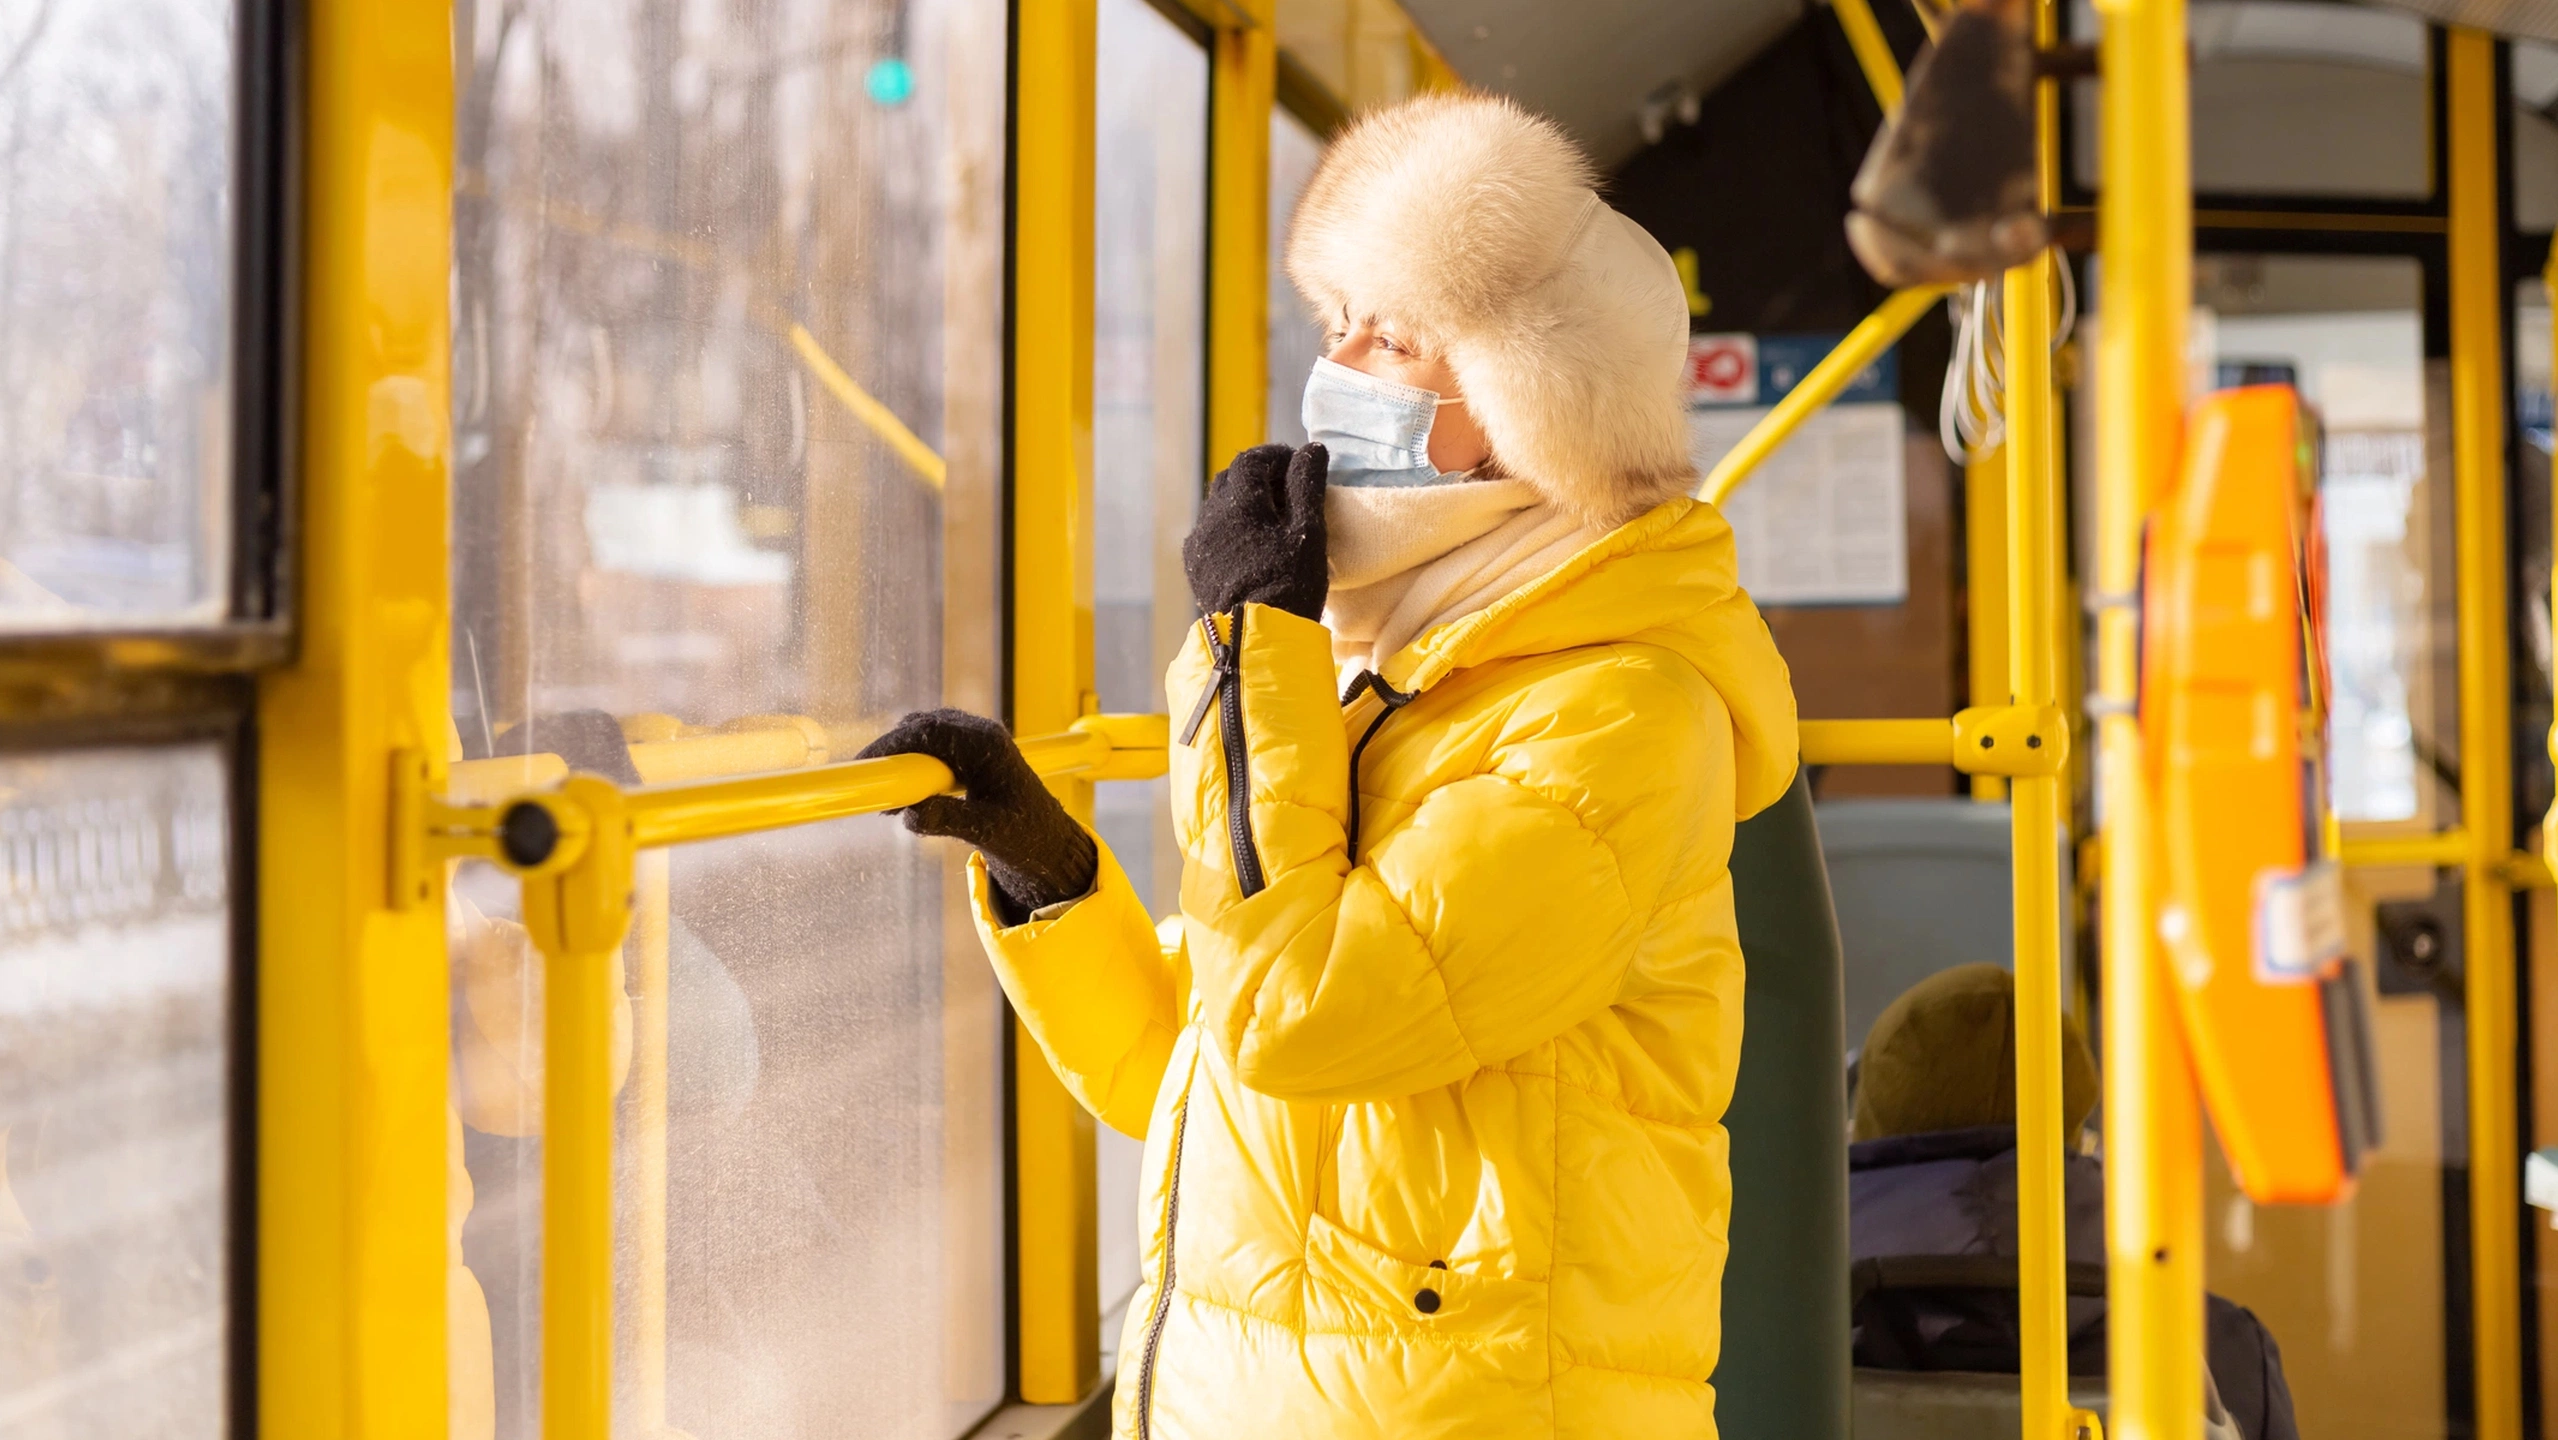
1378	432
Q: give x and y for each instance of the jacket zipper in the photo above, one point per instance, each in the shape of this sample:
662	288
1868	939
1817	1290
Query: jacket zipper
1162	1310
1226	687
1391	700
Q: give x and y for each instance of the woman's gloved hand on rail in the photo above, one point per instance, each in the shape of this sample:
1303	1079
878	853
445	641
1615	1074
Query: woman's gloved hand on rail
1260	534
1035	852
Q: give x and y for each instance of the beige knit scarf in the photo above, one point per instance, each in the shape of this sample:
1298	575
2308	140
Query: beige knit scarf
1406	559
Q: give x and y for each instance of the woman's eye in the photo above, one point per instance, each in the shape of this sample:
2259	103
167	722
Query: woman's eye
1387	344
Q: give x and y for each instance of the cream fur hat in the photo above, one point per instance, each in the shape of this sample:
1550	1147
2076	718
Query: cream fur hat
1474	227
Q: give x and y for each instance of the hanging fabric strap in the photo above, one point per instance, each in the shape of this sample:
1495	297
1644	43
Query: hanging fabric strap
1392	700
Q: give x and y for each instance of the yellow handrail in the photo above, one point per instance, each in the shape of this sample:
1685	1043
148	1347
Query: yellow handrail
866	408
2007	740
2478	299
2153	1118
1872	336
583	871
1873	53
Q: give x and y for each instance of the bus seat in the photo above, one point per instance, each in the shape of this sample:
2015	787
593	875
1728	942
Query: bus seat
1950	1404
1919	886
1784	1371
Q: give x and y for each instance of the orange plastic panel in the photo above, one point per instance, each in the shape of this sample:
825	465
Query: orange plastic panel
2251	911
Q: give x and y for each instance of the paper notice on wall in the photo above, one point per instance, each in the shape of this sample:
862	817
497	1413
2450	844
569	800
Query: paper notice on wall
1824	520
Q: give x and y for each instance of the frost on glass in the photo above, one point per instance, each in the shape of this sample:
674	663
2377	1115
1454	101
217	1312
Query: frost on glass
2350	333
115	312
727	349
115	1017
1150	198
1296	337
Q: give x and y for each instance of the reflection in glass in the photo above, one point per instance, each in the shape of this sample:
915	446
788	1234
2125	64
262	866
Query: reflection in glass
115	1061
115	312
2293	97
1150	204
2349	332
728	343
1296	337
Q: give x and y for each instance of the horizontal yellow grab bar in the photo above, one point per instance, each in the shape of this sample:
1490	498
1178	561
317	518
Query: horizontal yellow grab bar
786	743
1983	740
1100	747
1866	343
2446	847
1878	742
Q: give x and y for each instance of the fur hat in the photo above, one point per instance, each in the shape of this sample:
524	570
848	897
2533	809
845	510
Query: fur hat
1942	1056
1474	227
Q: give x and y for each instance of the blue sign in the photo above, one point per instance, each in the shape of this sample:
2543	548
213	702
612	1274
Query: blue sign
1785	359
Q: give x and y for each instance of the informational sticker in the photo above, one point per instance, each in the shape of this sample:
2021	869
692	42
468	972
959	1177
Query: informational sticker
2300	923
1824	520
1723	369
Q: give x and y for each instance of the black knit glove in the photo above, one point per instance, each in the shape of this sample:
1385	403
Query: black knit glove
1260	534
588	740
1035	852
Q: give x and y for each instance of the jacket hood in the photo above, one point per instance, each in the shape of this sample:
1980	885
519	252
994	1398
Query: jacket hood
1476	228
1666	578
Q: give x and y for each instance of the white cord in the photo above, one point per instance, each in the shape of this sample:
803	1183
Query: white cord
1971	415
1969	420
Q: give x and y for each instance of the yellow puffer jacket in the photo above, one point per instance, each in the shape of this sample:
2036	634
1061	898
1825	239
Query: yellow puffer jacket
1433	1137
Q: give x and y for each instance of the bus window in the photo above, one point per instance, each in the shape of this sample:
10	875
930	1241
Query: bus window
116	310
1296	338
1150	206
2349	332
2293	97
2356	1294
2535	154
116	1066
727	347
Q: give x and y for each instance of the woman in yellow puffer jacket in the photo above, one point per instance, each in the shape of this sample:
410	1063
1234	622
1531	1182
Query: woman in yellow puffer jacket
1431	1070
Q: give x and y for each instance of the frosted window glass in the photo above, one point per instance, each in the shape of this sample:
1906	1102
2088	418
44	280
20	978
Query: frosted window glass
116	121
115	1072
1296	337
728	349
1150	205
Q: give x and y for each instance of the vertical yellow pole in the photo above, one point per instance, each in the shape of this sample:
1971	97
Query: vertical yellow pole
1985	592
577	919
2034	809
1240	92
2153	1179
2549	295
351	996
653	919
2486	718
1058	1274
2034	616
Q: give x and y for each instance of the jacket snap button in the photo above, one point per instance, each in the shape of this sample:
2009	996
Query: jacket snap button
1427	1302
1438	1264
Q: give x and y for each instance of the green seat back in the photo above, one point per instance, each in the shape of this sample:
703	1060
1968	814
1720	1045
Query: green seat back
1784	1371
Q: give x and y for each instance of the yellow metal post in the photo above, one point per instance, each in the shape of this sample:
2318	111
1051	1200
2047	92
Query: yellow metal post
2037	804
2154	1161
1058	1274
2034	811
2549	296
577	917
351	996
1985	590
2478	302
1245	78
1873	53
653	923
1863	345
